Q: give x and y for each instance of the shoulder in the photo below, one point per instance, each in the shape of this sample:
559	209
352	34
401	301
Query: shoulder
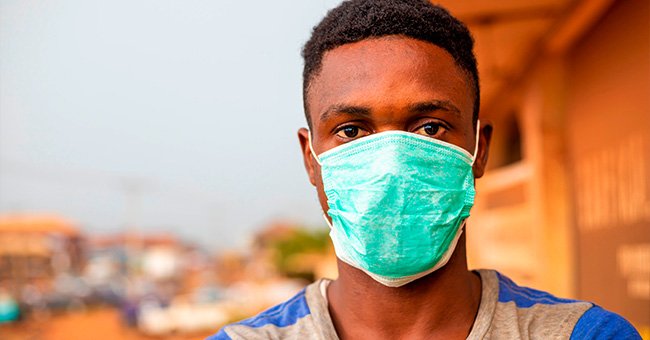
538	313
529	312
598	323
273	322
525	297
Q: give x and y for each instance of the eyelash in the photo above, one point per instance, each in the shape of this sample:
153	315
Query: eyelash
438	123
349	125
358	126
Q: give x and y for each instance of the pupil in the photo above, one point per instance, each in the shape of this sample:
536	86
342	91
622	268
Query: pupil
430	129
351	131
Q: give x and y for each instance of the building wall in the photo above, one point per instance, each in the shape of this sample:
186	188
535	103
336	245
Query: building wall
608	117
570	212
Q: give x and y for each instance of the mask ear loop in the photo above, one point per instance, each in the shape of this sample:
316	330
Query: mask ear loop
478	133
311	148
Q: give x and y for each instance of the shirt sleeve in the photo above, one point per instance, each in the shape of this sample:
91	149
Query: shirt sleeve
221	335
597	323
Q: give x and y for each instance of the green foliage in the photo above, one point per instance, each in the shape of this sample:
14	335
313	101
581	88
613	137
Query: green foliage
299	243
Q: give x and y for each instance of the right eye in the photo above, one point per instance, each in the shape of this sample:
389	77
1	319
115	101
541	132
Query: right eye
351	132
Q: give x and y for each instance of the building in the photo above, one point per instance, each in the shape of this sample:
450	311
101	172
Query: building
565	204
37	248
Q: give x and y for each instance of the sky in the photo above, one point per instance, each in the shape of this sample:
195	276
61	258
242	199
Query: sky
156	116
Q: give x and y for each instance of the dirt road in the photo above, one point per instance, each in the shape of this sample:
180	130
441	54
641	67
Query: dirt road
96	324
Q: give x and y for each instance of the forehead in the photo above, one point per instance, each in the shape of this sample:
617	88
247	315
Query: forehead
390	70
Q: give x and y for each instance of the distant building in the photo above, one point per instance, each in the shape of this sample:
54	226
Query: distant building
155	256
37	248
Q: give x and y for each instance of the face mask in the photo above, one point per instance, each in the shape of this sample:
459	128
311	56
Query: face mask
398	203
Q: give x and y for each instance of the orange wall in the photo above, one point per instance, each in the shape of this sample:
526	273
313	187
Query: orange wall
608	129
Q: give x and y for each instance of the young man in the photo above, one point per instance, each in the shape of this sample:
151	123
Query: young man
393	148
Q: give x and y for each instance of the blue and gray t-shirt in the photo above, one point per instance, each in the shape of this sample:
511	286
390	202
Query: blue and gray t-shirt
506	311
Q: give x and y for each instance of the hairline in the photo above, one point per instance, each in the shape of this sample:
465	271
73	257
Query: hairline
316	70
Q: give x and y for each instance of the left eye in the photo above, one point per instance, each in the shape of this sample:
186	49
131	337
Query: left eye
429	129
351	132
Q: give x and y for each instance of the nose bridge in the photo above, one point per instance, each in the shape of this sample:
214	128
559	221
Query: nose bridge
390	127
390	116
389	123
389	160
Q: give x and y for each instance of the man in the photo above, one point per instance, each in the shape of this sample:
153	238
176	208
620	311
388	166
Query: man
394	144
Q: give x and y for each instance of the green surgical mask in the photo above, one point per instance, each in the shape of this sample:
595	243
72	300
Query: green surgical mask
398	202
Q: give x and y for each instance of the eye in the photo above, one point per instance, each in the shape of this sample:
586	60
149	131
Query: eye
430	129
351	132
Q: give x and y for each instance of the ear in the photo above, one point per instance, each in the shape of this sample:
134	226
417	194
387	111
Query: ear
483	149
308	159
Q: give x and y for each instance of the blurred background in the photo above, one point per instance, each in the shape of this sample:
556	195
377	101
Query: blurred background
151	182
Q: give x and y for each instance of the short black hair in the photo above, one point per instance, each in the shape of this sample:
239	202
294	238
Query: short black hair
356	20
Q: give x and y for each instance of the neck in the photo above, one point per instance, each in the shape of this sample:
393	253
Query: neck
443	303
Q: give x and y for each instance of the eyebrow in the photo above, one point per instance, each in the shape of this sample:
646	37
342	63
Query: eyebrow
434	105
337	109
363	111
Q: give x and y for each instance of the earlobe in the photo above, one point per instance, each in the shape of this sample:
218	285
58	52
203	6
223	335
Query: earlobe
303	137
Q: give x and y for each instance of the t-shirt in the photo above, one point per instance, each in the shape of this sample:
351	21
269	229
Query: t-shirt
506	311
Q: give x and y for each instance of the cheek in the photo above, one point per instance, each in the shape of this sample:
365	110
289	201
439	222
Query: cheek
322	198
